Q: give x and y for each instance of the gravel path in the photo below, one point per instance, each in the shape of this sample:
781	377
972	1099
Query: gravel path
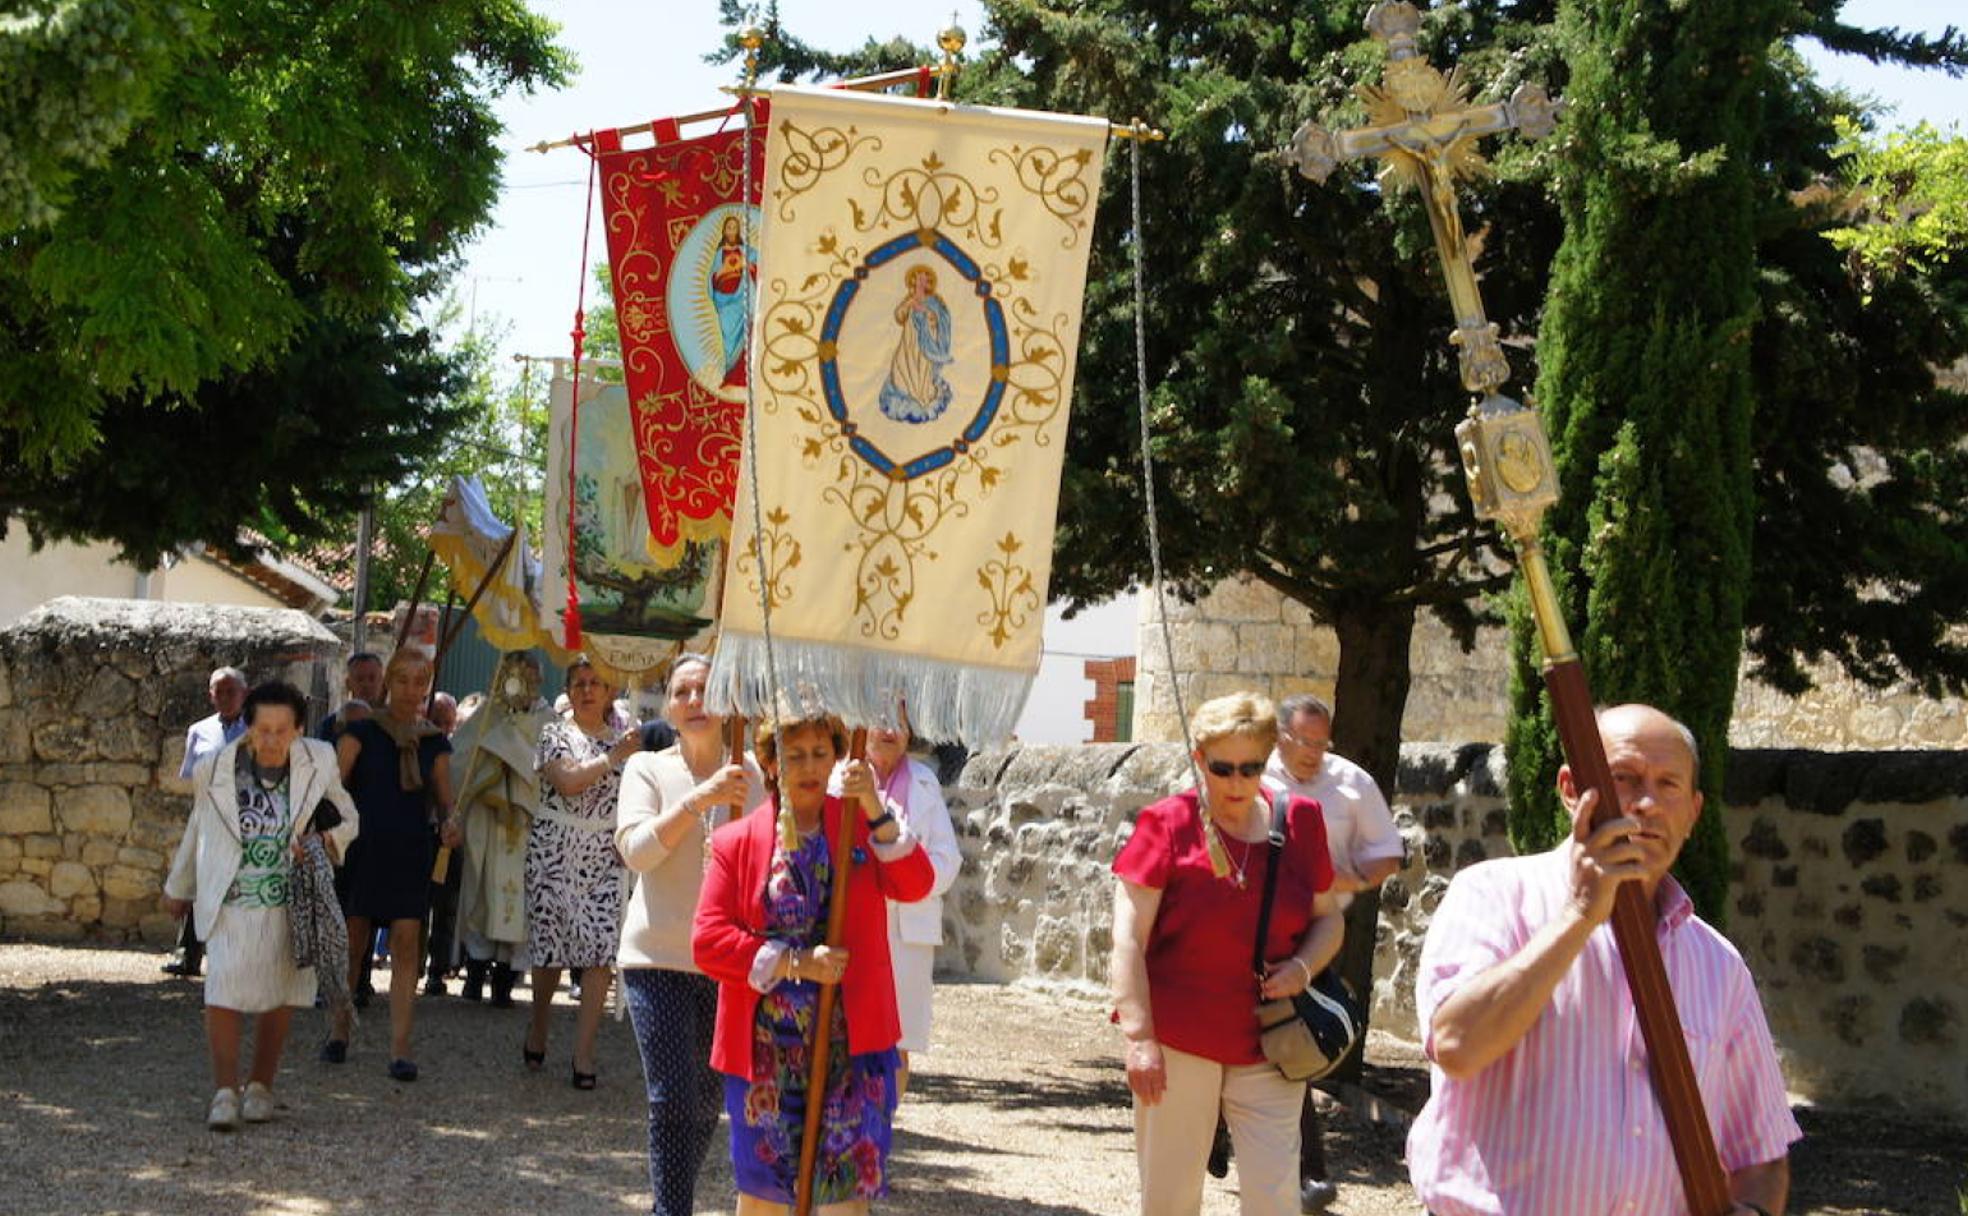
103	1089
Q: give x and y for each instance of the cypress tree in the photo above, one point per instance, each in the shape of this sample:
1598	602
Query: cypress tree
1646	383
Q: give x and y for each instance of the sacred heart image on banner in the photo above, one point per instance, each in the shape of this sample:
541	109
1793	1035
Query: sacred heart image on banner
922	272
634	608
683	270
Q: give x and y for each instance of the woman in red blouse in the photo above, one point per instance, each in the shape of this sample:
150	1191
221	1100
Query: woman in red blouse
760	931
1184	992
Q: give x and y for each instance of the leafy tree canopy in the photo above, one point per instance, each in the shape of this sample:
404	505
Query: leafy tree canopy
226	205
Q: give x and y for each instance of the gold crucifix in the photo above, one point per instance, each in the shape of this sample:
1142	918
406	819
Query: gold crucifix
1424	133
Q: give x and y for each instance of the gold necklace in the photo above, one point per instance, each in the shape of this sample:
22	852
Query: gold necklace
1240	867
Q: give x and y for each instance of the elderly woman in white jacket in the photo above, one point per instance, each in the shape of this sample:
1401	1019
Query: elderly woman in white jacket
252	803
915	929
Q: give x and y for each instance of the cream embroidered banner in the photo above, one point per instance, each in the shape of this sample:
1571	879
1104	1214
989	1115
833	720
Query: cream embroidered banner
921	274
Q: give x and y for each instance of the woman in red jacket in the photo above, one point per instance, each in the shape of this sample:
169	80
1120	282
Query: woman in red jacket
761	922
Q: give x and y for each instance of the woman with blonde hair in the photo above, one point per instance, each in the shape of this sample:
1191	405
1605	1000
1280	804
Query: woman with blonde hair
397	766
760	933
1184	991
671	802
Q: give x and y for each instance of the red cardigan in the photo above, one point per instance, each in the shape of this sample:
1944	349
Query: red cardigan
729	931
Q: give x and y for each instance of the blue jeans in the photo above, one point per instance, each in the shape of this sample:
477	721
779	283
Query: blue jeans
674	1013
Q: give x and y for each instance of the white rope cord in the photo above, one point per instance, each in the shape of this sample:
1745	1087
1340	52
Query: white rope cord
751	438
1219	856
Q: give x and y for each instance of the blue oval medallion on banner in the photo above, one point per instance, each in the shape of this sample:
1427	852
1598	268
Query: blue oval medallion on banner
914	355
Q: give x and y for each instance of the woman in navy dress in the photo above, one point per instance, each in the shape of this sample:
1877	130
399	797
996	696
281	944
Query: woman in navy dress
397	767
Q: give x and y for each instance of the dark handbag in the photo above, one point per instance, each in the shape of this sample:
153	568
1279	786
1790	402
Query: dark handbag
327	817
1309	1033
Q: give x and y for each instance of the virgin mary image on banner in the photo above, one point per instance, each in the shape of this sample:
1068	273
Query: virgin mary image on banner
916	390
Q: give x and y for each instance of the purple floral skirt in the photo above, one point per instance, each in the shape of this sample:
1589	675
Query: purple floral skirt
768	1112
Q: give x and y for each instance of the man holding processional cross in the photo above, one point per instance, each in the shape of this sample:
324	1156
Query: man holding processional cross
1556	1087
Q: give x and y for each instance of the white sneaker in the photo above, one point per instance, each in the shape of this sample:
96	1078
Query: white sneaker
224	1113
258	1105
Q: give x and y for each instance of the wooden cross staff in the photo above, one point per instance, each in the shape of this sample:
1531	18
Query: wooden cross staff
820	1047
1424	132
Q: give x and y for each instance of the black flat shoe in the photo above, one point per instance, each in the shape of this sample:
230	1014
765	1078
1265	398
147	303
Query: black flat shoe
535	1060
583	1080
334	1051
402	1070
1219	1156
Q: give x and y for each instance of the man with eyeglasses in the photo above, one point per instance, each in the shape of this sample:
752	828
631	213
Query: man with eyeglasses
1366	849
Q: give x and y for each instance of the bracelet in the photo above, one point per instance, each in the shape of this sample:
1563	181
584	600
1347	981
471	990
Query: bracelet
1757	1208
1307	969
881	821
792	964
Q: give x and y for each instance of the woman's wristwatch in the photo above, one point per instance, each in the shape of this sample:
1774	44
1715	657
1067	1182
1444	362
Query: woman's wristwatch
881	821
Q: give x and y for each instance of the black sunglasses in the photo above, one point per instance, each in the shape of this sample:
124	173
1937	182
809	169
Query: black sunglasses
1223	768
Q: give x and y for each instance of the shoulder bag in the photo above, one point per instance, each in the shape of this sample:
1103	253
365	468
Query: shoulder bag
1307	1034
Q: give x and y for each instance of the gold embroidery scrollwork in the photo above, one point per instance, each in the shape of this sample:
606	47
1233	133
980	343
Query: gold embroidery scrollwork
1011	591
789	355
783	554
928	197
808	156
1035	381
693	488
1057	179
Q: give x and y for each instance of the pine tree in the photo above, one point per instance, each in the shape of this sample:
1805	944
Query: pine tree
1646	384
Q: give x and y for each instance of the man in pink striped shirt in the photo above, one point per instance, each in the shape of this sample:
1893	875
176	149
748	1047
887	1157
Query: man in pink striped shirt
1541	1103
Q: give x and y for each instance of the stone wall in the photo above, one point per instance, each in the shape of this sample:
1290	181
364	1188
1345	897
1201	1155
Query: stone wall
1244	635
95	697
1849	900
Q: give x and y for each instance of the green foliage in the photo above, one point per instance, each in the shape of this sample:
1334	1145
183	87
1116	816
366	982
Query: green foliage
75	77
1743	440
602	342
499	435
202	192
1910	190
1304	400
1646	387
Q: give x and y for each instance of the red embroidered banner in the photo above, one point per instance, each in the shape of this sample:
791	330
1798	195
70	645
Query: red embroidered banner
680	262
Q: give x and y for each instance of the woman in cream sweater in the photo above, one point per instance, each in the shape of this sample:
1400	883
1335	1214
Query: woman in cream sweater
670	802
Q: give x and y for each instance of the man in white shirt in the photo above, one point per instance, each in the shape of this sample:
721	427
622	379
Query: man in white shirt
227	690
1365	847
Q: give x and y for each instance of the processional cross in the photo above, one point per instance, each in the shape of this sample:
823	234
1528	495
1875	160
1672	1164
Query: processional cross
1424	132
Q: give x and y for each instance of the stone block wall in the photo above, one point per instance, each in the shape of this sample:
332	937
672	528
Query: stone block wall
1244	635
95	698
1849	900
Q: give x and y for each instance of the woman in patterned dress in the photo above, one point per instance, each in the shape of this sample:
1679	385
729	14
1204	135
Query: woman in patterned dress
252	802
760	932
574	878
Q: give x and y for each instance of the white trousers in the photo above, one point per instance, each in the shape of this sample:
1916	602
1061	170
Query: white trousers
1172	1138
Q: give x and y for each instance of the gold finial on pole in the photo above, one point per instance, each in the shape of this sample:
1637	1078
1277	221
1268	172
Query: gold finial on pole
751	38
952	39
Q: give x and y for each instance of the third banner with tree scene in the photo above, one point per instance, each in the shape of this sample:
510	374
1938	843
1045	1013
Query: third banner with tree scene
635	608
918	324
683	273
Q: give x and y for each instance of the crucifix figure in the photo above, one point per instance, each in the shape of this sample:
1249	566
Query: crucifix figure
1424	132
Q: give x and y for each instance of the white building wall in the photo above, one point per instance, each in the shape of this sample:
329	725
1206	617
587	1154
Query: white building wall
29	579
1056	710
